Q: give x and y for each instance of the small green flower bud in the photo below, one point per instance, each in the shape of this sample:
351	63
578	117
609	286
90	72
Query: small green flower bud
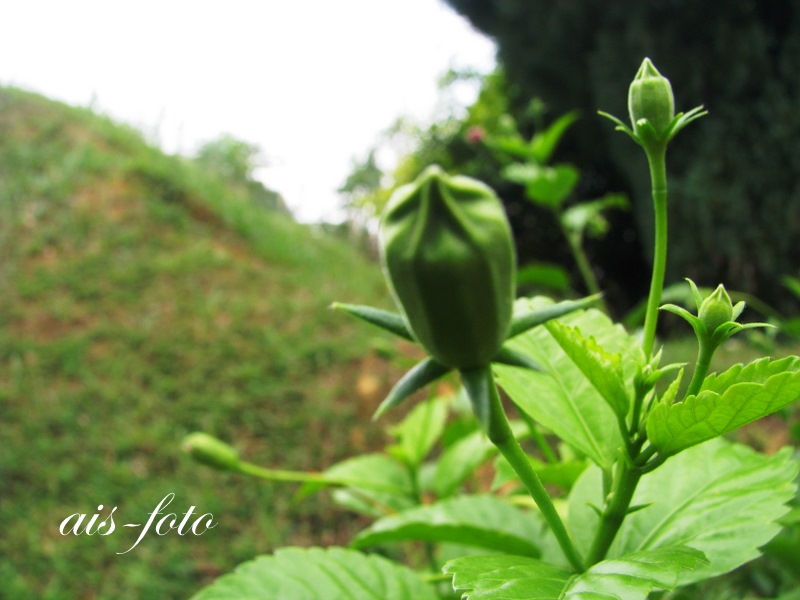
650	97
716	309
210	451
448	256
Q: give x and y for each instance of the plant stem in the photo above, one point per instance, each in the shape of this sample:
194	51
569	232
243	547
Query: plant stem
658	179
701	368
615	512
502	437
540	440
304	477
588	276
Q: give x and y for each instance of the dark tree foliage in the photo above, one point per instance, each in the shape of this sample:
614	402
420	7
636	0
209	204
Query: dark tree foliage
735	176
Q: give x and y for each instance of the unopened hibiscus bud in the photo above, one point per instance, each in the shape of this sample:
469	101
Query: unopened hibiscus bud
650	97
448	256
716	309
210	451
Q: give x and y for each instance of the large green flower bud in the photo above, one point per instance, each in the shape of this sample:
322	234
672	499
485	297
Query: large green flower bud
448	255
650	97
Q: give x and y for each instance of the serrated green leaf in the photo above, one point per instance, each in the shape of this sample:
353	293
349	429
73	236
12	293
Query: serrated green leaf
635	575
720	498
484	521
601	368
319	574
420	430
756	372
669	395
631	577
563	400
506	577
735	398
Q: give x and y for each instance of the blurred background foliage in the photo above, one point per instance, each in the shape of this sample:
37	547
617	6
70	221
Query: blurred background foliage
735	176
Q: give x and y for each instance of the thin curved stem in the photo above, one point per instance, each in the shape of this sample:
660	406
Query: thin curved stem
500	434
701	368
658	180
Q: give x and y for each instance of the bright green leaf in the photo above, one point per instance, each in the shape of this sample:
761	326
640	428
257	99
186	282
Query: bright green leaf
420	430
737	397
631	577
588	216
602	369
484	521
544	142
319	574
720	498
374	468
563	400
506	577
459	461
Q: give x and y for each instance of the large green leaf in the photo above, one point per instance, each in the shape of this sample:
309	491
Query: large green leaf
318	574
631	577
720	498
756	372
484	521
563	400
398	489
420	430
459	461
601	368
737	397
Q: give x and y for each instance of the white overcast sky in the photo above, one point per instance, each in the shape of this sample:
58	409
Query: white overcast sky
311	82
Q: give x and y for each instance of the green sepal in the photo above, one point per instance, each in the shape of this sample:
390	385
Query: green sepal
424	372
388	321
514	358
479	384
681	120
638	507
528	320
620	126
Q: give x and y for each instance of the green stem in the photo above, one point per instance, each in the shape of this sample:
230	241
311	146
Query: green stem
615	512
588	276
658	179
304	477
500	434
701	368
540	440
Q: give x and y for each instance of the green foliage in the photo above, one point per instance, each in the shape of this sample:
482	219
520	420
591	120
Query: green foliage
703	499
563	399
514	578
742	169
725	403
482	521
318	574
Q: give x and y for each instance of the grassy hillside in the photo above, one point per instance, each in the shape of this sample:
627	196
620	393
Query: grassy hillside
141	299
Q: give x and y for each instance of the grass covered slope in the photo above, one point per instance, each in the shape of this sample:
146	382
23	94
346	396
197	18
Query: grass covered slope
140	300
